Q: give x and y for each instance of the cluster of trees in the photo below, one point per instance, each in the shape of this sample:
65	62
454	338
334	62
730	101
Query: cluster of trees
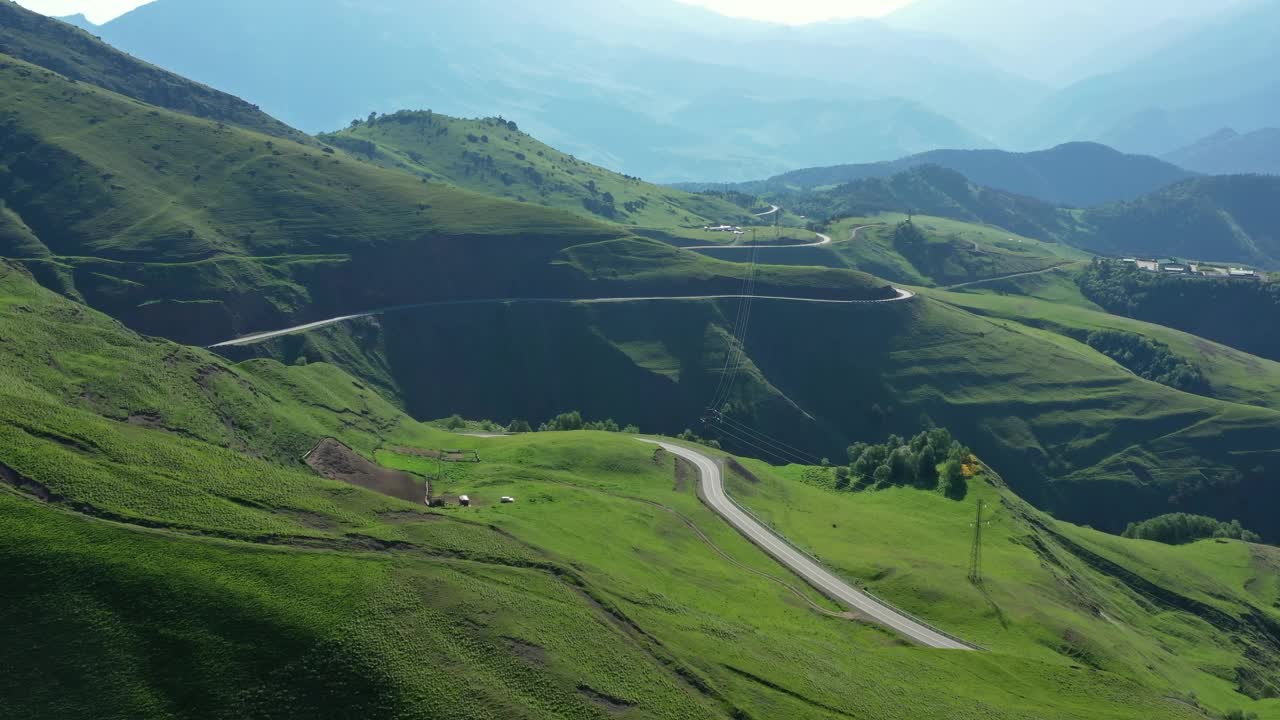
1182	528
565	422
355	146
601	204
931	460
1149	359
632	206
478	162
1238	313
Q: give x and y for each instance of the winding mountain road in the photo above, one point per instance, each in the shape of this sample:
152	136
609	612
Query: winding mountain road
823	241
712	492
902	295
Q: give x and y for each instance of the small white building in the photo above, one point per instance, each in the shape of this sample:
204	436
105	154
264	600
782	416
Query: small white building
464	501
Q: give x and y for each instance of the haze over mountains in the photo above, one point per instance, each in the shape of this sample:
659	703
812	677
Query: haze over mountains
1220	74
225	345
1059	42
1078	174
1228	151
672	92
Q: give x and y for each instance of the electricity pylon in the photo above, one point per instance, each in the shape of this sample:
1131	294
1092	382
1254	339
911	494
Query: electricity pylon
975	553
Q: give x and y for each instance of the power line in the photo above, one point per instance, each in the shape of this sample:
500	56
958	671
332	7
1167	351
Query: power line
737	322
733	357
749	302
764	437
748	443
752	443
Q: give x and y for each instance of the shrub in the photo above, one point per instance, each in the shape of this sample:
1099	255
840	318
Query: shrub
908	462
1182	528
1149	359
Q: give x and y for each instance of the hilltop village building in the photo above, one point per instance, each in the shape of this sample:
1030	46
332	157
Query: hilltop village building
1193	270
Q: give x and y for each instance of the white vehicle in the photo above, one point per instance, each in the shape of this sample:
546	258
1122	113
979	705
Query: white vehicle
507	500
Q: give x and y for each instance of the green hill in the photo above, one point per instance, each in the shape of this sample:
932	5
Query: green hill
1229	218
1053	301
931	251
169	553
938	251
938	191
494	157
1226	218
1076	432
1239	313
201	231
77	55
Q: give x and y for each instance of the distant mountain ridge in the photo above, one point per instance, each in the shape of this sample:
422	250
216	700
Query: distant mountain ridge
1075	174
65	49
1060	42
1226	218
1220	74
656	89
1228	152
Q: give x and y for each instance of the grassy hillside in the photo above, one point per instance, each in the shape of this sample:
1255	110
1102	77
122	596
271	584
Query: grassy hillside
1226	218
1050	588
946	251
78	55
201	231
1074	431
940	251
938	191
1231	218
1239	314
170	556
494	157
1046	302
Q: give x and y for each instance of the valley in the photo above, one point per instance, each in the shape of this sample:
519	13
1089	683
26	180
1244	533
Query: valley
449	413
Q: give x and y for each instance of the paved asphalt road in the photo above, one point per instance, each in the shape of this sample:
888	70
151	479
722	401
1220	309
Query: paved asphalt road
713	494
270	335
823	240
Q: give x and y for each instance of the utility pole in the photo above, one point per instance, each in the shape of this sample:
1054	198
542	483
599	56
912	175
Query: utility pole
975	553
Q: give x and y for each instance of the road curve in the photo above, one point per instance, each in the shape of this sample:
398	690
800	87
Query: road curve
772	209
713	494
823	241
902	295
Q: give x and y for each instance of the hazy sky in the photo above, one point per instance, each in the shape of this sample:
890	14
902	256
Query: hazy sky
800	11
787	11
